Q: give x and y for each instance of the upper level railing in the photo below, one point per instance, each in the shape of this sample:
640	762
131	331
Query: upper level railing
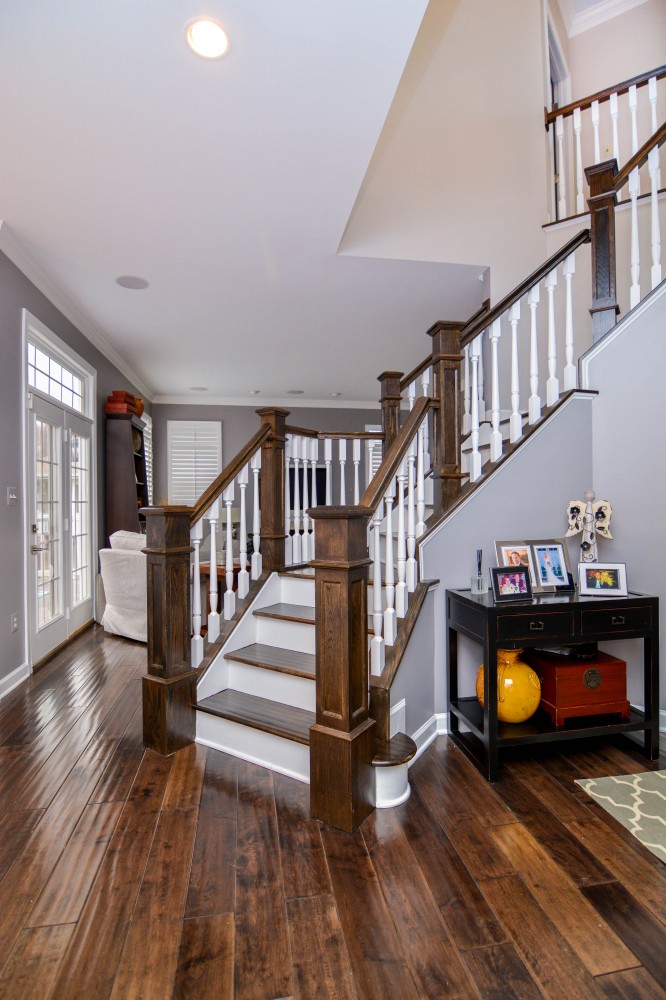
611	124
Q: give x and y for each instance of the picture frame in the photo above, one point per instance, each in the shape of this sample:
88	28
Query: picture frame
516	553
551	566
511	583
602	579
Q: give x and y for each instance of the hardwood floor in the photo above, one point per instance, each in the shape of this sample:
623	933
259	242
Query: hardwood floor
126	875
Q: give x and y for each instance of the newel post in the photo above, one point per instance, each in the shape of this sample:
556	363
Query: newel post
342	739
169	688
390	403
446	423
271	486
601	202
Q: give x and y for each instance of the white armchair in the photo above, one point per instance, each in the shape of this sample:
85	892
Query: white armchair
123	573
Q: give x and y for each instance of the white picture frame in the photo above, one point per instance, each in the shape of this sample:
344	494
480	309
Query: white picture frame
602	579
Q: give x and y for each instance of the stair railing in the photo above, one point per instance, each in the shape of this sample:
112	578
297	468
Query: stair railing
589	131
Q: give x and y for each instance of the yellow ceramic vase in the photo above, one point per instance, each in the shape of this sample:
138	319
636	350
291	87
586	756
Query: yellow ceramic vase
518	687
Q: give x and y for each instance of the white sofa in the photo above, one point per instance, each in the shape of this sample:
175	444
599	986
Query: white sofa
123	575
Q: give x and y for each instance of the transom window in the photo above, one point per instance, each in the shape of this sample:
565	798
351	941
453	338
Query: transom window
51	377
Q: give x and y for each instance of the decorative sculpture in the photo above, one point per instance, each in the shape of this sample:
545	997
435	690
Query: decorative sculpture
592	518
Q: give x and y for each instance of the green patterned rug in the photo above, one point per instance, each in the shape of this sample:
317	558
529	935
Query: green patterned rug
638	802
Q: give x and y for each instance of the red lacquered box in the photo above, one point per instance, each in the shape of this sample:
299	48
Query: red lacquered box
572	688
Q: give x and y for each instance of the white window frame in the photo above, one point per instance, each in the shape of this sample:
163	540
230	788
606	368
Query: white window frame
207	428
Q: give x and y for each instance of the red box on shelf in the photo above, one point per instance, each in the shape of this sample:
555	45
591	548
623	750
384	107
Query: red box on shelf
571	688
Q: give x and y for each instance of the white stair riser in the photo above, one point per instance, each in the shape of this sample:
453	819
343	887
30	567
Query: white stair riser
297	590
286	634
391	786
274	752
300	692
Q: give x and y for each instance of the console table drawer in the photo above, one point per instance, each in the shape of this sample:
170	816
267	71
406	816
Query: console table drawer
534	626
619	620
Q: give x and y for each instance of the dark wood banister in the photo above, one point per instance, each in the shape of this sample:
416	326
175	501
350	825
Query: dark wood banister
334	435
380	481
472	330
228	474
638	159
602	95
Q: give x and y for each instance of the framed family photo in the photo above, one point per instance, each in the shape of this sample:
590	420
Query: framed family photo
511	583
602	579
546	559
515	554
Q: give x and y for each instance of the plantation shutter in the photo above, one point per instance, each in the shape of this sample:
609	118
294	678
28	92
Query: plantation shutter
195	458
148	454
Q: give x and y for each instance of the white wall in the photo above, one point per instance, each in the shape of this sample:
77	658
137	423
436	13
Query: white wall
628	454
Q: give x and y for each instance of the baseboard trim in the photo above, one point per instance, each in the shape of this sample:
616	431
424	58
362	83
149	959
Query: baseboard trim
13	680
437	725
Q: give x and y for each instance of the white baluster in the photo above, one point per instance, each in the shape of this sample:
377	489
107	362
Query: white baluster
328	462
475	456
420	482
377	641
515	421
655	237
633	107
390	619
401	597
496	435
314	501
613	113
411	516
411	394
534	404
553	384
652	97
287	502
356	456
467	416
342	458
594	111
580	199
229	595
635	290
197	644
480	382
243	575
561	172
569	375
213	623
305	544
256	561
425	385
296	542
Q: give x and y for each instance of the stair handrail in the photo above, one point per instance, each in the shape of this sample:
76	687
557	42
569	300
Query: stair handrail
476	326
396	453
602	95
655	141
228	474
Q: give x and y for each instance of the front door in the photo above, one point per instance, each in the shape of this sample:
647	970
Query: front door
59	524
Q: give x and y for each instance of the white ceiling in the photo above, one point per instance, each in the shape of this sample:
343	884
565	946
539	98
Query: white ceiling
226	184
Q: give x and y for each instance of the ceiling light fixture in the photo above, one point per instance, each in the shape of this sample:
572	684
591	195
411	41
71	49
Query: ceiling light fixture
132	281
198	388
255	392
335	394
207	38
295	392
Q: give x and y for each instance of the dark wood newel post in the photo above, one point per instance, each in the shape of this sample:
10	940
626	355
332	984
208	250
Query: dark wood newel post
169	688
390	403
342	739
446	358
601	202
272	489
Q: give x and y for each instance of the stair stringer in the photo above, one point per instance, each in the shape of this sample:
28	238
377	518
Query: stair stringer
524	497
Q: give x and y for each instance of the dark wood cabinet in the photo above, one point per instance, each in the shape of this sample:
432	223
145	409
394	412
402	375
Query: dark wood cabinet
126	485
546	621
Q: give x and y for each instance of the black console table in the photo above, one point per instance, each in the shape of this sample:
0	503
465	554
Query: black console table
551	620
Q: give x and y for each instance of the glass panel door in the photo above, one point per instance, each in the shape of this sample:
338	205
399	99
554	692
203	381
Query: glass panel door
79	526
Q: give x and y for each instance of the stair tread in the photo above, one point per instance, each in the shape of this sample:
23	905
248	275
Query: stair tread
260	713
288	612
398	750
287	661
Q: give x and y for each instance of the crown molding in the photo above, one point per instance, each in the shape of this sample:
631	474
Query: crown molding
256	402
11	245
578	22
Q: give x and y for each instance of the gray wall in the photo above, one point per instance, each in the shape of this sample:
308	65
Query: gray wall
17	293
239	423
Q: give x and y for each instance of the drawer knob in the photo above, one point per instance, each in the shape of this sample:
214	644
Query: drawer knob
536	626
617	620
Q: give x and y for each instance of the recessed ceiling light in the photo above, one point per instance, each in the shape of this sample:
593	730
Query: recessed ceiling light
295	392
335	394
131	281
207	38
255	392
198	388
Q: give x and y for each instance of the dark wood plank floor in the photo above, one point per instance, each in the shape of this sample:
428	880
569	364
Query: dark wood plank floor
127	875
